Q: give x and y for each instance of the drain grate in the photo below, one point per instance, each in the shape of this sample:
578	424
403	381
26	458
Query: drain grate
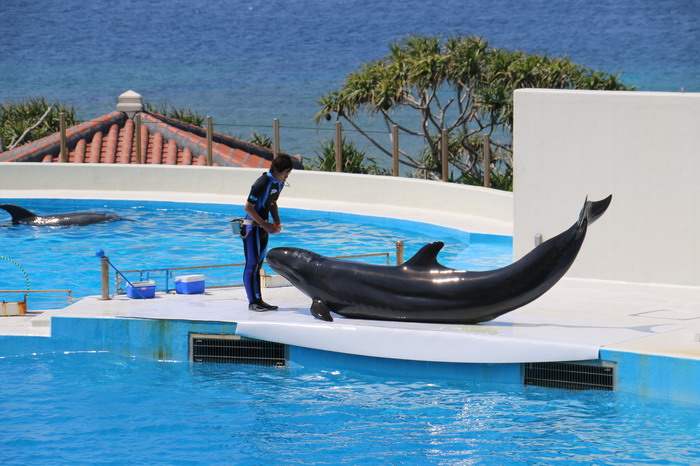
233	349
573	376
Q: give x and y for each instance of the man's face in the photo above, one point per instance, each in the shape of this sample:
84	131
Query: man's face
282	176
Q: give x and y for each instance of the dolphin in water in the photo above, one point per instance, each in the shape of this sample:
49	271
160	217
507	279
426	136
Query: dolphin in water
21	216
423	290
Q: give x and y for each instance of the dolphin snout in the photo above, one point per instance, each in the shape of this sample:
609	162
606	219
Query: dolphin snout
280	260
275	256
289	262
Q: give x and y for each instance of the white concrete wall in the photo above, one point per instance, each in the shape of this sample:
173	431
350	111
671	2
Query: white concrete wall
642	147
465	207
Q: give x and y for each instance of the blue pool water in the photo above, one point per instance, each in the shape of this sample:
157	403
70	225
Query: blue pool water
167	235
87	408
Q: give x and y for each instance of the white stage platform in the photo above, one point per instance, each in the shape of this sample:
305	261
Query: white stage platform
573	321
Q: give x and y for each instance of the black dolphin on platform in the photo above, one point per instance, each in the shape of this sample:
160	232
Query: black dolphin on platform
21	216
422	290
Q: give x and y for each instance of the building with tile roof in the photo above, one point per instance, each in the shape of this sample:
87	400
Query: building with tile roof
112	138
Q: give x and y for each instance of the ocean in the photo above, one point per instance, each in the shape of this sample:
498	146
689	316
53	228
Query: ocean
247	62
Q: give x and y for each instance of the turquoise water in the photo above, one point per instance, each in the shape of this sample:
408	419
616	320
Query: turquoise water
80	408
166	235
246	62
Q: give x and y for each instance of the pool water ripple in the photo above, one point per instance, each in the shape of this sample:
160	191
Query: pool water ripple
84	407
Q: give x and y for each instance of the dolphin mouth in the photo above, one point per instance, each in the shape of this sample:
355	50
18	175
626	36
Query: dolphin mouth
288	263
273	258
276	259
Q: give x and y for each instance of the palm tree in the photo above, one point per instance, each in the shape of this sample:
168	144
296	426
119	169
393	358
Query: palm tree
459	84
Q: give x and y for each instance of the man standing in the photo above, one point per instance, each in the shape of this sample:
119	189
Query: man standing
261	202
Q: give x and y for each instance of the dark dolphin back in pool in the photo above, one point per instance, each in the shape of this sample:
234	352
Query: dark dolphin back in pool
22	216
423	290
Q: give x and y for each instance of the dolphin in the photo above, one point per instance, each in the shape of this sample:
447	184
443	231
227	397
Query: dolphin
21	216
423	290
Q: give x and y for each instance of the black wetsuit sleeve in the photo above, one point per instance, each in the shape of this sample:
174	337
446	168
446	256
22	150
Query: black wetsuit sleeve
257	190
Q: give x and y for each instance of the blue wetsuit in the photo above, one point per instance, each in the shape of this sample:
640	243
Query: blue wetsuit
264	192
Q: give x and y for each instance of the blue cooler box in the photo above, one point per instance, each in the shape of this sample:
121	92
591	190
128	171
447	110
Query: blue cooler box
189	284
141	290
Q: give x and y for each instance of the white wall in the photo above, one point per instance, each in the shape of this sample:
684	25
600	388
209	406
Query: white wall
642	147
465	207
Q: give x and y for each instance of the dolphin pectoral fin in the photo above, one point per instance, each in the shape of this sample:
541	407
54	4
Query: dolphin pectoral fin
321	311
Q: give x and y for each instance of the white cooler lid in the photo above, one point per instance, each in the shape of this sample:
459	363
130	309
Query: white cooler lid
146	283
189	278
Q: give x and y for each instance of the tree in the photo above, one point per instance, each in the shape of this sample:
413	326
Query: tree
460	84
354	159
32	119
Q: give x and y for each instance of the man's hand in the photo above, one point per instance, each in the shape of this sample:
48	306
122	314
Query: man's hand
271	228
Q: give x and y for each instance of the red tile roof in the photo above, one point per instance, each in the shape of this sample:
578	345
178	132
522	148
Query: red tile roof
111	139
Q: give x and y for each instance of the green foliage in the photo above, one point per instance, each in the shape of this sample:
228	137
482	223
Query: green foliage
179	113
18	117
501	175
262	140
510	70
354	160
459	84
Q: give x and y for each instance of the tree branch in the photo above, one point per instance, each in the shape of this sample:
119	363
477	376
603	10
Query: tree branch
14	144
366	135
401	127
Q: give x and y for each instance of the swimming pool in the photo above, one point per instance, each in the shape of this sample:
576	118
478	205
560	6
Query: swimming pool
67	408
168	234
90	407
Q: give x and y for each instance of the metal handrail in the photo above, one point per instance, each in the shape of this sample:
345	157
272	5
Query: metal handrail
70	298
168	271
70	292
376	254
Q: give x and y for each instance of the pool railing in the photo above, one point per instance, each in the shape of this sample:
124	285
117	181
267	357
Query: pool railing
168	274
53	299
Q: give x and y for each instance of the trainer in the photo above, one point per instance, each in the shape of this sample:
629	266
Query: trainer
261	202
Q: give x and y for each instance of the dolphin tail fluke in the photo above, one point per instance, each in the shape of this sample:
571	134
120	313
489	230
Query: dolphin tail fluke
592	210
18	213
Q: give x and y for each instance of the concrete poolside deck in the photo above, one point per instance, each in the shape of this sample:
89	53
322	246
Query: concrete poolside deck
575	320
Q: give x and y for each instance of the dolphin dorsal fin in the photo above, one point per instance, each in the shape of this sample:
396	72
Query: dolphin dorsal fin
18	213
426	256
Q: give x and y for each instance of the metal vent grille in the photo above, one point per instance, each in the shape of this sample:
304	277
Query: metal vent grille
232	349
573	376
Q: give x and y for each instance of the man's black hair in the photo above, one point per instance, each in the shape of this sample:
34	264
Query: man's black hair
281	163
